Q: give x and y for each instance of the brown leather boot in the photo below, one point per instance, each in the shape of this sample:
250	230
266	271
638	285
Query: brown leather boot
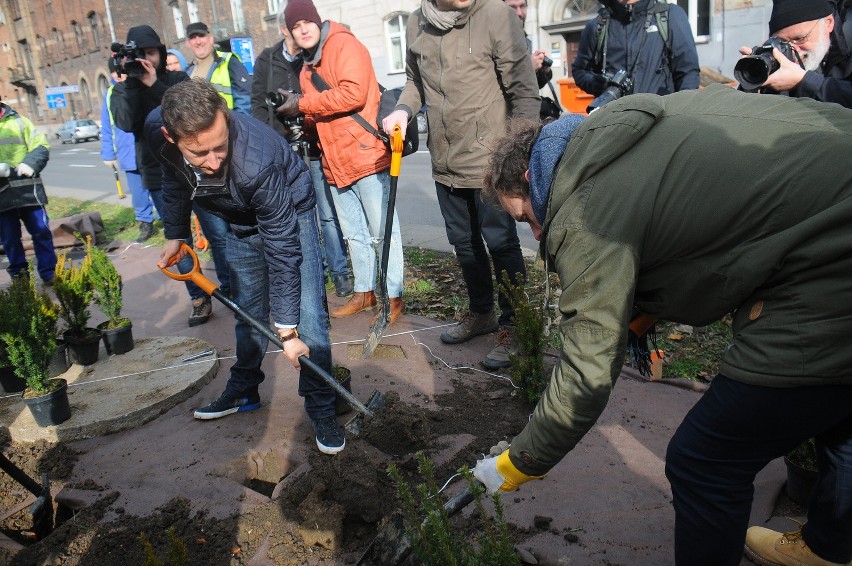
397	306
359	302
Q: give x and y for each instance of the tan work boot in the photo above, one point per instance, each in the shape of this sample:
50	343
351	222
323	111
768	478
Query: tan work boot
359	302
396	307
771	548
507	345
472	324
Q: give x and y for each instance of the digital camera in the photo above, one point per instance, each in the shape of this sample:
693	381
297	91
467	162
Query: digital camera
618	85
753	70
126	59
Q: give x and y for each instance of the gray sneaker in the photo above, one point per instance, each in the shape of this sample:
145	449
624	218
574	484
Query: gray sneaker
202	308
471	325
507	343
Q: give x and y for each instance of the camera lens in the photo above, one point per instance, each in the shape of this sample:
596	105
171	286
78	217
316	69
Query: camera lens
754	70
274	99
547	61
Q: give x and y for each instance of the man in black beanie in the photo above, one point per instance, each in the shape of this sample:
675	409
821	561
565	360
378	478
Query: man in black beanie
814	28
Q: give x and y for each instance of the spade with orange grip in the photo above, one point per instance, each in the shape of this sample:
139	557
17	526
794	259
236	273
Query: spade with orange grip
383	320
195	275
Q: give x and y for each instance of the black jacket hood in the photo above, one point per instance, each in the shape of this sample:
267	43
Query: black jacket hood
145	36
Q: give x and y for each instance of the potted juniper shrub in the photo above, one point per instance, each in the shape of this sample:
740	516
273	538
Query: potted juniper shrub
30	348
801	472
9	381
117	331
73	287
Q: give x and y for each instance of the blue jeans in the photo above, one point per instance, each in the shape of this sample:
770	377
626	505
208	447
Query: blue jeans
361	210
37	223
140	197
250	288
215	229
336	257
157	198
732	432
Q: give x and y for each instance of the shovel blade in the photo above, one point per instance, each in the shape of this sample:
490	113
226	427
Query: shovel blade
375	403
376	332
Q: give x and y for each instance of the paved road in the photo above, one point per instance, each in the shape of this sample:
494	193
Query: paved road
76	171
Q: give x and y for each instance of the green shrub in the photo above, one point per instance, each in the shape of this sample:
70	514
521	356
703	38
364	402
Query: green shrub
29	335
804	455
73	287
527	367
106	286
433	538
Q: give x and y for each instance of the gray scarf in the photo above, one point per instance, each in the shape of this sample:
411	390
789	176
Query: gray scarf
443	20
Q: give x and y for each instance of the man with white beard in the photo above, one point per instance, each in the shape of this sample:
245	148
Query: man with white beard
814	28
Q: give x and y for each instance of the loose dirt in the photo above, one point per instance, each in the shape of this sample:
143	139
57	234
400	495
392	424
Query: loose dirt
327	512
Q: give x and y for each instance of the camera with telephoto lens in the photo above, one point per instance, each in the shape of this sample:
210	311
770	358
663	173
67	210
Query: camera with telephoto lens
753	70
275	99
547	62
618	85
125	59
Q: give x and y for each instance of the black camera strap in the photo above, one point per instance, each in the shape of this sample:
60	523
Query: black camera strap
269	108
320	84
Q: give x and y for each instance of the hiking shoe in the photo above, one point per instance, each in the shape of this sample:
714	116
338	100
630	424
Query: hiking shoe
472	324
227	404
344	284
146	230
202	308
507	344
771	548
330	439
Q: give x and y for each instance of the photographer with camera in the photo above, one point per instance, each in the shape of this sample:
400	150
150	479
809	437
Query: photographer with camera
276	70
807	55
635	46
143	60
542	64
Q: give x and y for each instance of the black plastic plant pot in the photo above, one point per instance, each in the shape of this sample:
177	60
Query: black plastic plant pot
344	377
52	408
10	382
59	363
83	349
117	340
801	483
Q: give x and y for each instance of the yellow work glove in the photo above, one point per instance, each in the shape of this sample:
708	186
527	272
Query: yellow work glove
499	474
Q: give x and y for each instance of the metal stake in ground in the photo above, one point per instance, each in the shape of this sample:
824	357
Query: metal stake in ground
383	320
208	287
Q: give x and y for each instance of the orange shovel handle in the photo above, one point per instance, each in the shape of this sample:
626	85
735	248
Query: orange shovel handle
194	275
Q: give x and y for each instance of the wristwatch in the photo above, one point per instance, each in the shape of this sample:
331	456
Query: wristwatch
294	334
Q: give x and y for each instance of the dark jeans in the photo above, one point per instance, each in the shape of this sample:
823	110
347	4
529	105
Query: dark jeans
728	437
250	288
469	221
37	223
336	256
215	229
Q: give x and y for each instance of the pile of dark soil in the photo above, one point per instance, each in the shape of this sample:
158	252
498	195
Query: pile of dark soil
326	514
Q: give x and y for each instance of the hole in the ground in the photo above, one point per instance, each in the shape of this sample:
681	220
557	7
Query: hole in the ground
382	352
261	486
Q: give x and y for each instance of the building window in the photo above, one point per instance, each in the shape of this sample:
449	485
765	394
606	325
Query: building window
274	6
78	36
103	85
698	12
59	41
395	29
93	23
180	32
192	11
42	44
237	12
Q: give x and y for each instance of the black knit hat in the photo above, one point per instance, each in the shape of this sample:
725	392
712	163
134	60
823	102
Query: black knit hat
298	10
786	13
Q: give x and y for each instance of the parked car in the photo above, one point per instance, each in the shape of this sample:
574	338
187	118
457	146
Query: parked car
78	130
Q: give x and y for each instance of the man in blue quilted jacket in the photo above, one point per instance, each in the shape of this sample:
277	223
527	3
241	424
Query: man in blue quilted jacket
241	170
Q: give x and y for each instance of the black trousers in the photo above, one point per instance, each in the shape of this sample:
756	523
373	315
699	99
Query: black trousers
732	432
471	225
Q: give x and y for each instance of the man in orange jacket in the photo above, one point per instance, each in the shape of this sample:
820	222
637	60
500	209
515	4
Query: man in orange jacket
337	81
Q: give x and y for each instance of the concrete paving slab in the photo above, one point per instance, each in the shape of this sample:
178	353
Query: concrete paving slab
119	392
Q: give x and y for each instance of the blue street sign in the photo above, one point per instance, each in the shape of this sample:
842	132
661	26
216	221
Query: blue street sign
244	49
56	101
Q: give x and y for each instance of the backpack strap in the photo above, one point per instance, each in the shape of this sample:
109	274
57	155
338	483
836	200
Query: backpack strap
320	84
661	14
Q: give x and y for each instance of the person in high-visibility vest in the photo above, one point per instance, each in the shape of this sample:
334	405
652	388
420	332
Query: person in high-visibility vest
224	71
23	154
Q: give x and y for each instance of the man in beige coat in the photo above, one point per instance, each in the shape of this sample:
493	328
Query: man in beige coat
467	61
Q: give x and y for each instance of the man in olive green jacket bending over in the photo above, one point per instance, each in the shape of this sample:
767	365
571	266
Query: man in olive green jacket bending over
685	208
